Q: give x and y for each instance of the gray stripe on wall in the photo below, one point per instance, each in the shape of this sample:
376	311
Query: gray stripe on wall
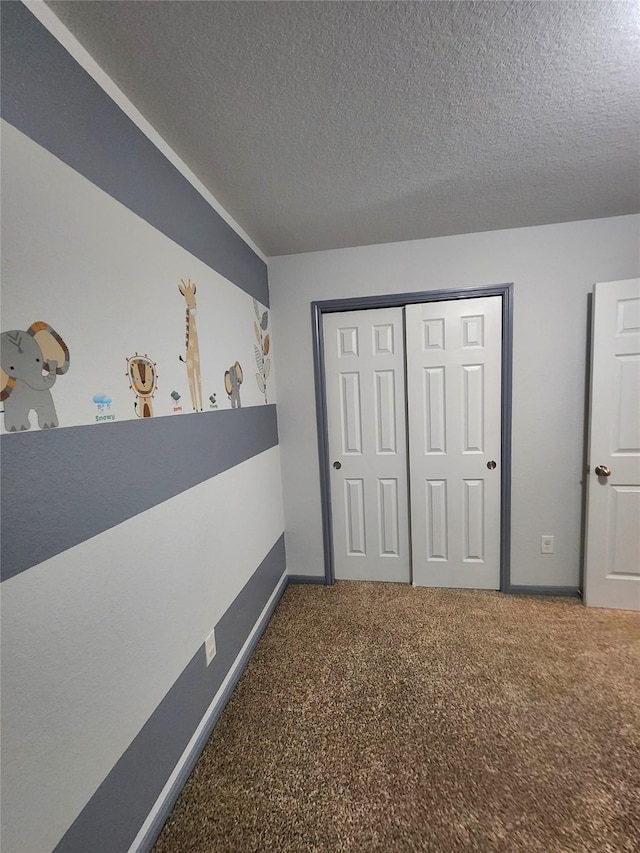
60	487
48	96
113	816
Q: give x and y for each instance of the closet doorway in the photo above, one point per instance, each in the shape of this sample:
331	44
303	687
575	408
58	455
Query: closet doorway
413	401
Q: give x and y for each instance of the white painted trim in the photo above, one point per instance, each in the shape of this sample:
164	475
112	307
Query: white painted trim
59	31
140	842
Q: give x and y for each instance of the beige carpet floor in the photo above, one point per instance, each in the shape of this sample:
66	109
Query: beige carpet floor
379	717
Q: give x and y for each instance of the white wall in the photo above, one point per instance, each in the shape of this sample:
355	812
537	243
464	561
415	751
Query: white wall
553	268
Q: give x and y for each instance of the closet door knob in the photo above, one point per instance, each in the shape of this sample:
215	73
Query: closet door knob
491	465
337	465
603	471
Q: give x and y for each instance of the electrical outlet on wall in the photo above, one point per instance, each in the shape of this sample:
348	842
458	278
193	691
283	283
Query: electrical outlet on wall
546	544
210	646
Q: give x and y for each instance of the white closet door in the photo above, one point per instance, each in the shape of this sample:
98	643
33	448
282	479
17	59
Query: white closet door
612	570
364	374
454	393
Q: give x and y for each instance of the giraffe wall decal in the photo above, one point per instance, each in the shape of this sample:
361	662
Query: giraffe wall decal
192	360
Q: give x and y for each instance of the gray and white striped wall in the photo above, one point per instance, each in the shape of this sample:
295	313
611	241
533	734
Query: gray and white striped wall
125	541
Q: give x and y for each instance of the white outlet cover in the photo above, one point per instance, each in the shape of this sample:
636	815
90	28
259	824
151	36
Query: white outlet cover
210	646
546	544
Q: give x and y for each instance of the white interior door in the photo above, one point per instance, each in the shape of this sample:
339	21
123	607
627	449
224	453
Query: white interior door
612	567
454	353
364	375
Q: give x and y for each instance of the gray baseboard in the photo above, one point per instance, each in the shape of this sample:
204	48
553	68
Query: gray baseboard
526	589
307	579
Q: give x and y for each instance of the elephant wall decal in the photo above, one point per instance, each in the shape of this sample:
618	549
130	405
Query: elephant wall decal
232	382
31	361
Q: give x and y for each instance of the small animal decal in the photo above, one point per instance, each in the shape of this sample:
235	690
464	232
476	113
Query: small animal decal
262	348
143	381
32	360
232	382
213	403
188	290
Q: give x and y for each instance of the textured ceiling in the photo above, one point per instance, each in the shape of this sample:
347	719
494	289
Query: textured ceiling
328	124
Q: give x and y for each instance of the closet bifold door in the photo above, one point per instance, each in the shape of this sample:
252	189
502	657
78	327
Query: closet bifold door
454	351
365	394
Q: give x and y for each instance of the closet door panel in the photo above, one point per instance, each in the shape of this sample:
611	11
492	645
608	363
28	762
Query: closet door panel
365	384
454	351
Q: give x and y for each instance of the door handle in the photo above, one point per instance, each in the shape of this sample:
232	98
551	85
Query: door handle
603	471
337	465
491	465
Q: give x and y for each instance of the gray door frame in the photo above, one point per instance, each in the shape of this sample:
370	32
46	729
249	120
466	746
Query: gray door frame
399	300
